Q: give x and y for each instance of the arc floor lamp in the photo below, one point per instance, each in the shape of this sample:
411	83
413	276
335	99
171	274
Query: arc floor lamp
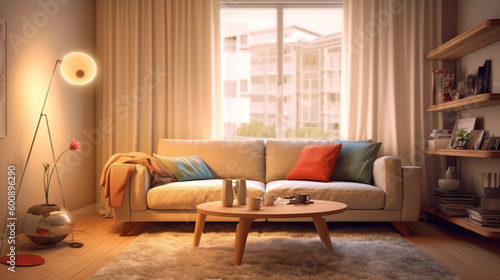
79	69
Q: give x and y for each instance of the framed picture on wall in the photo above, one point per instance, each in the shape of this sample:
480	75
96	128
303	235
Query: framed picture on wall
3	78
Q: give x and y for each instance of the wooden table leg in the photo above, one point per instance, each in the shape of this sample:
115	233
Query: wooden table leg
322	229
241	239
198	230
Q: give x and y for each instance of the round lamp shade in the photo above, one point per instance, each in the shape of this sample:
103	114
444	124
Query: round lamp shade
78	68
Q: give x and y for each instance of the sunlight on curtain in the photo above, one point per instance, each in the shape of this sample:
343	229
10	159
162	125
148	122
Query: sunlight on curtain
156	59
387	82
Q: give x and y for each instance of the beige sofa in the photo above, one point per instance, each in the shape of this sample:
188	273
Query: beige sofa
394	196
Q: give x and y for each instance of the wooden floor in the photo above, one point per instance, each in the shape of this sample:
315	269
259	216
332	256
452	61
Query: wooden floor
464	253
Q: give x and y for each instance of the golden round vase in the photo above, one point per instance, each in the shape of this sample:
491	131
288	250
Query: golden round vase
47	224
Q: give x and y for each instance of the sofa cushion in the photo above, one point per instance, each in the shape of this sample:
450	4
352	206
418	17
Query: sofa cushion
354	195
188	194
226	159
281	156
315	163
355	162
185	168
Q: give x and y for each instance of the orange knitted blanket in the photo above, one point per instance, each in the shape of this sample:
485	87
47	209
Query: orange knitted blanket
114	180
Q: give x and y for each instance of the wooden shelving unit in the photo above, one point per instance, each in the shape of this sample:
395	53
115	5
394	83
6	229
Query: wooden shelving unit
482	35
471	102
464	153
490	232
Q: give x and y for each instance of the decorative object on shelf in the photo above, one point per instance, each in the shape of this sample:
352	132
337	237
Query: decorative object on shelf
451	173
490	199
76	68
470	85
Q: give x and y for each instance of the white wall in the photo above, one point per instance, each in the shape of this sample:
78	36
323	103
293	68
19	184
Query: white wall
470	14
41	32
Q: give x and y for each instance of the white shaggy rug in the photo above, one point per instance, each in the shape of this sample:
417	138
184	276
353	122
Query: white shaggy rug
273	251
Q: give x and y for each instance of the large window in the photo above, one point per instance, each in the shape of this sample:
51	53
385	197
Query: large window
285	57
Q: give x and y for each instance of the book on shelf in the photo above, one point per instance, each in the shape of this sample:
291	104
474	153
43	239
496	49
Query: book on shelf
444	83
480	81
487	76
454	203
485	218
483	82
475	140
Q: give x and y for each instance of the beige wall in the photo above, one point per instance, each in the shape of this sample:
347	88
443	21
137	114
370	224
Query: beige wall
40	32
469	14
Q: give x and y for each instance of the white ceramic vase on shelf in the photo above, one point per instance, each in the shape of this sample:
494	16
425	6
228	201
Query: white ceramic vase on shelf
227	193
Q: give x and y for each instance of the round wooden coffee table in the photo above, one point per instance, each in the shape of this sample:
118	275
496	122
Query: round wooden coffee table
316	211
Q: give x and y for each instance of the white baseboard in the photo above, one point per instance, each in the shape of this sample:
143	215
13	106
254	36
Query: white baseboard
84	212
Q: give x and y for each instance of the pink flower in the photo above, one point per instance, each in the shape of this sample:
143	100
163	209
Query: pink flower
47	175
74	146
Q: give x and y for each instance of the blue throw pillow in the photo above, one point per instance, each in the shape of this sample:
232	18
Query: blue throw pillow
355	162
185	168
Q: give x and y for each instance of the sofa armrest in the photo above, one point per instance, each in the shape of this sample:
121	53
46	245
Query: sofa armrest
387	176
135	197
412	187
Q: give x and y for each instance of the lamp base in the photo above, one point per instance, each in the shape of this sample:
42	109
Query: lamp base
75	244
22	260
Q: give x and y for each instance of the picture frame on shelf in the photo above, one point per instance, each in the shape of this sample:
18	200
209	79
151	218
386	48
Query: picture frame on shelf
470	85
493	143
485	142
461	133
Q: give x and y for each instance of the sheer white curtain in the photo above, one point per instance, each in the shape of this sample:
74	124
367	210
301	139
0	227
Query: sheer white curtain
157	74
386	81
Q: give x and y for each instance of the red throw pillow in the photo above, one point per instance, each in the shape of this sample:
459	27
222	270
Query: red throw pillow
315	163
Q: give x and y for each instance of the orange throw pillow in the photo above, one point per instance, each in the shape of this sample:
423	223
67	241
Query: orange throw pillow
315	163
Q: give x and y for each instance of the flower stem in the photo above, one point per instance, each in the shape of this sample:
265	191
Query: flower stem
50	177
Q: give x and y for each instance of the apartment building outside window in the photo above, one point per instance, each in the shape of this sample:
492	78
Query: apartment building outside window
281	66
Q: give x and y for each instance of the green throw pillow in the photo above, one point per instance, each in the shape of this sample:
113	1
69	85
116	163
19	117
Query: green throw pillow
185	168
355	162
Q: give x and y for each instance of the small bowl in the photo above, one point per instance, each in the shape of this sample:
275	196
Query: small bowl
449	185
